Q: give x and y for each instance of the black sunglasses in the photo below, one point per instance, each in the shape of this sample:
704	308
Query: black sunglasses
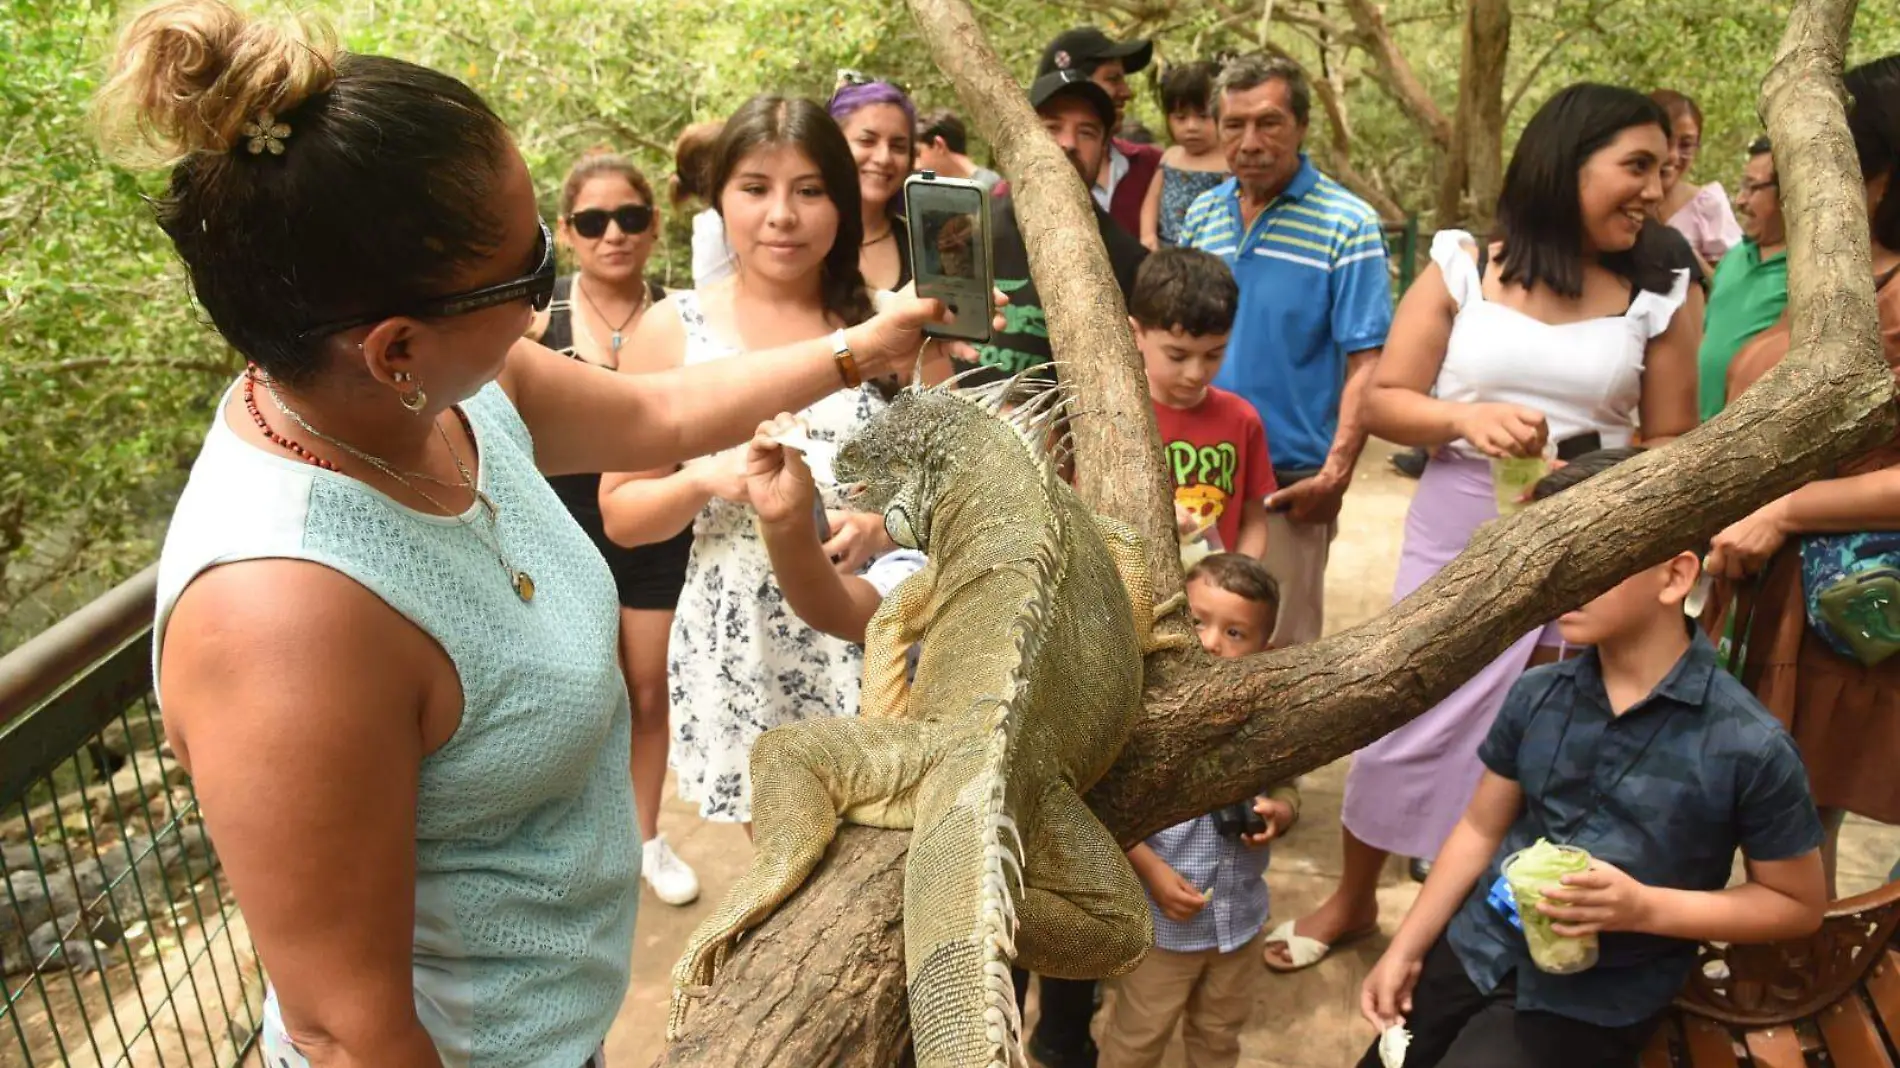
536	287
592	223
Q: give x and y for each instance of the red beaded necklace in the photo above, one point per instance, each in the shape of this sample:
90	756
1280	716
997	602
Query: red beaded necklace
250	405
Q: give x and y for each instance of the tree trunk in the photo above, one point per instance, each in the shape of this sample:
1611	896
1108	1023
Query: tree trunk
1474	167
820	983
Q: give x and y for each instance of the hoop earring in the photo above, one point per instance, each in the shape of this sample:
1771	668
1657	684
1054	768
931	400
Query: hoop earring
414	402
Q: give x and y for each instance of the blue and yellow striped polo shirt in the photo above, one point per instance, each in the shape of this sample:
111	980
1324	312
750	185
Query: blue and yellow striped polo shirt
1313	289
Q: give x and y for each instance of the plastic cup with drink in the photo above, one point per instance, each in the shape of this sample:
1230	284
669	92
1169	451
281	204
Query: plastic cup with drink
1530	873
1513	476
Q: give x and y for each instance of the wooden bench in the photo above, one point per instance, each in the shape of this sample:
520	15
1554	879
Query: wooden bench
1832	999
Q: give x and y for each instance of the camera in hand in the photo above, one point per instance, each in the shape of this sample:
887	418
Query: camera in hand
1239	818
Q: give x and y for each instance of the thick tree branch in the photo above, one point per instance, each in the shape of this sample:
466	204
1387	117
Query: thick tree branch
1474	163
1394	71
816	986
1119	469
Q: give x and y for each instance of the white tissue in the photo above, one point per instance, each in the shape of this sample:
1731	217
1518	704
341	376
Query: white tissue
819	455
1393	1042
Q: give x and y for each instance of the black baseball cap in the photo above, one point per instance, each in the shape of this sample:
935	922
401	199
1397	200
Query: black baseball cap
1074	83
1082	47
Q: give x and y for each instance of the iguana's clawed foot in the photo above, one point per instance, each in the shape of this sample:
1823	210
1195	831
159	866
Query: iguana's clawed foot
1159	640
1170	606
684	993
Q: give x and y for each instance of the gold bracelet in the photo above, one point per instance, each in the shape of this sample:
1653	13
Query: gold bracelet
847	361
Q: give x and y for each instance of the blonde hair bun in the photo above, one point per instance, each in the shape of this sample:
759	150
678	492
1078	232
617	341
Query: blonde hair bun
188	74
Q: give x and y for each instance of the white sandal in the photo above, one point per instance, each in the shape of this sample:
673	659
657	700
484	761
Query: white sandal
1304	952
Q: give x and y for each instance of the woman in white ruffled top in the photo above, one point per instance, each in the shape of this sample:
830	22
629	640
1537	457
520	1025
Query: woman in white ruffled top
1562	327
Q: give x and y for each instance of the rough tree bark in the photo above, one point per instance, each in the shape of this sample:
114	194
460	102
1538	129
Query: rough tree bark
1474	162
821	983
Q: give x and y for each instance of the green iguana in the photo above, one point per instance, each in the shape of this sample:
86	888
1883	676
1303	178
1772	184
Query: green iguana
1034	615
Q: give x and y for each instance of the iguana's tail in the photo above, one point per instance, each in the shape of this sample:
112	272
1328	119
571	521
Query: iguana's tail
965	967
963	998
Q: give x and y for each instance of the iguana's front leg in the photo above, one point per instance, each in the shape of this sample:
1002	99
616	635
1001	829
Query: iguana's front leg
1129	553
897	625
1085	915
804	776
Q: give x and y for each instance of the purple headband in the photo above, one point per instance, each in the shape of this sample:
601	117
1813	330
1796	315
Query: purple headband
852	97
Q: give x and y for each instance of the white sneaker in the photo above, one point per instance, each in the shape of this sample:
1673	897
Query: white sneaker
672	881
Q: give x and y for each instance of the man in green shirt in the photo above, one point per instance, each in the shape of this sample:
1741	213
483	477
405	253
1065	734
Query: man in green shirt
1751	283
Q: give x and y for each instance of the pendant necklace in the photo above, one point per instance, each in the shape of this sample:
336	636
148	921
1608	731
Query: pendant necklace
618	338
521	581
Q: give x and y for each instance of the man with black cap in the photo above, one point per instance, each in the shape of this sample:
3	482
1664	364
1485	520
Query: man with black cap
1078	115
1123	182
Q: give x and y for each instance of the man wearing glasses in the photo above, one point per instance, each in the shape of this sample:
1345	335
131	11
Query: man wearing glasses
1751	283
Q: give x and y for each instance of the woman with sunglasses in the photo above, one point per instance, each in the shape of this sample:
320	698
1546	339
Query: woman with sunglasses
880	125
609	222
383	649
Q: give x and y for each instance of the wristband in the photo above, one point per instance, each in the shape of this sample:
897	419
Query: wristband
847	362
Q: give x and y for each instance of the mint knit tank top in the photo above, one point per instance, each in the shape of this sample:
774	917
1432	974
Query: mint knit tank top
527	858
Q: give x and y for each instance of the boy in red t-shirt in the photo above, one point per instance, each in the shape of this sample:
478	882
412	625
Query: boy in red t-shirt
1216	447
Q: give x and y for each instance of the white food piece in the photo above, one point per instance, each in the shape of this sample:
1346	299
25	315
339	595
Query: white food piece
819	455
1393	1042
1698	598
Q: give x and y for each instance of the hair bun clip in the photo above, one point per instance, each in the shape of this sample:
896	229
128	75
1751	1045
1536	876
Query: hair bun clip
266	134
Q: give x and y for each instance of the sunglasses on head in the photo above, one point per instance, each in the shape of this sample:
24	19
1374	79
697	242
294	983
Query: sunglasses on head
592	223
848	78
536	287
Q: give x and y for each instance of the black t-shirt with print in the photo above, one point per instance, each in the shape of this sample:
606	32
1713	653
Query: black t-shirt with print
1025	343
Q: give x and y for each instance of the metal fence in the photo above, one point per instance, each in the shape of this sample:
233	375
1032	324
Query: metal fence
121	943
1401	250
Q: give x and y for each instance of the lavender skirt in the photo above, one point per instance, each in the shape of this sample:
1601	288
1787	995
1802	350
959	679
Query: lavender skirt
1406	791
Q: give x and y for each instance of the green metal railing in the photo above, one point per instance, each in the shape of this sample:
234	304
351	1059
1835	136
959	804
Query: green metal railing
1401	249
121	943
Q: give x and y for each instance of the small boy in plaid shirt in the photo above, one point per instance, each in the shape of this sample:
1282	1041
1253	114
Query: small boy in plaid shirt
1206	877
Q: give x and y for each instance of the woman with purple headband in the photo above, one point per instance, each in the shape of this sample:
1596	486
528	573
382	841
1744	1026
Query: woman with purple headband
880	123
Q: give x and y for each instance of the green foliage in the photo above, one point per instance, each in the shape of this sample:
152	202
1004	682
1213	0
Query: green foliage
111	375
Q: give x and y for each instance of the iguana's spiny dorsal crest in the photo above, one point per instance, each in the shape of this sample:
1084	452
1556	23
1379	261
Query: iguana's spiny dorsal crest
1027	685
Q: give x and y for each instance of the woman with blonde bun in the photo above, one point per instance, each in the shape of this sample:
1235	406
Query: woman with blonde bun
384	650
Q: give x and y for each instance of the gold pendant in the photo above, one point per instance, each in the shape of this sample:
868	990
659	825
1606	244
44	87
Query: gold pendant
524	586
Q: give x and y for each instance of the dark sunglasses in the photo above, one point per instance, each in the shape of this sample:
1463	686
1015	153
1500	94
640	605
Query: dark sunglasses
592	223
536	287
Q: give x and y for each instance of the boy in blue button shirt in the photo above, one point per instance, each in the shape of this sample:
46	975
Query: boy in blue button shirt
1206	878
1644	753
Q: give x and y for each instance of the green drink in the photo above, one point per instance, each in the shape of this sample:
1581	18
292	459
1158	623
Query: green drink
1530	872
1512	478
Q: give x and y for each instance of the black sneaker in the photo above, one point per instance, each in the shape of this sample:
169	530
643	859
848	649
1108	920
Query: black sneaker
1411	463
1049	1057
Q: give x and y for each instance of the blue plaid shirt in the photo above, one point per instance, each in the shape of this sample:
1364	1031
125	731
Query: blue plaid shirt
1667	792
1236	872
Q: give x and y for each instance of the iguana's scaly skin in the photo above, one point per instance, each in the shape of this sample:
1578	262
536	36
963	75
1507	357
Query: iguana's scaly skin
1027	685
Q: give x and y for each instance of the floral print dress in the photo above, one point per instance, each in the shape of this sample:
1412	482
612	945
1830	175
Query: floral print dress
739	661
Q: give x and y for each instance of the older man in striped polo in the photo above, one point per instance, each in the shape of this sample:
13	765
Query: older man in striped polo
1315	305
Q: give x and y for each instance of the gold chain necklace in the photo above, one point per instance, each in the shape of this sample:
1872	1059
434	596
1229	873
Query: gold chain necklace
522	582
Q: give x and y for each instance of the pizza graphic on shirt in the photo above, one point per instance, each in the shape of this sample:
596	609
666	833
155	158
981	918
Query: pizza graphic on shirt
1204	504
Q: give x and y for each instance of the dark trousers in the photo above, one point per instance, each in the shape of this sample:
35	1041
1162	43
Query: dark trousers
1456	1025
1066	1007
